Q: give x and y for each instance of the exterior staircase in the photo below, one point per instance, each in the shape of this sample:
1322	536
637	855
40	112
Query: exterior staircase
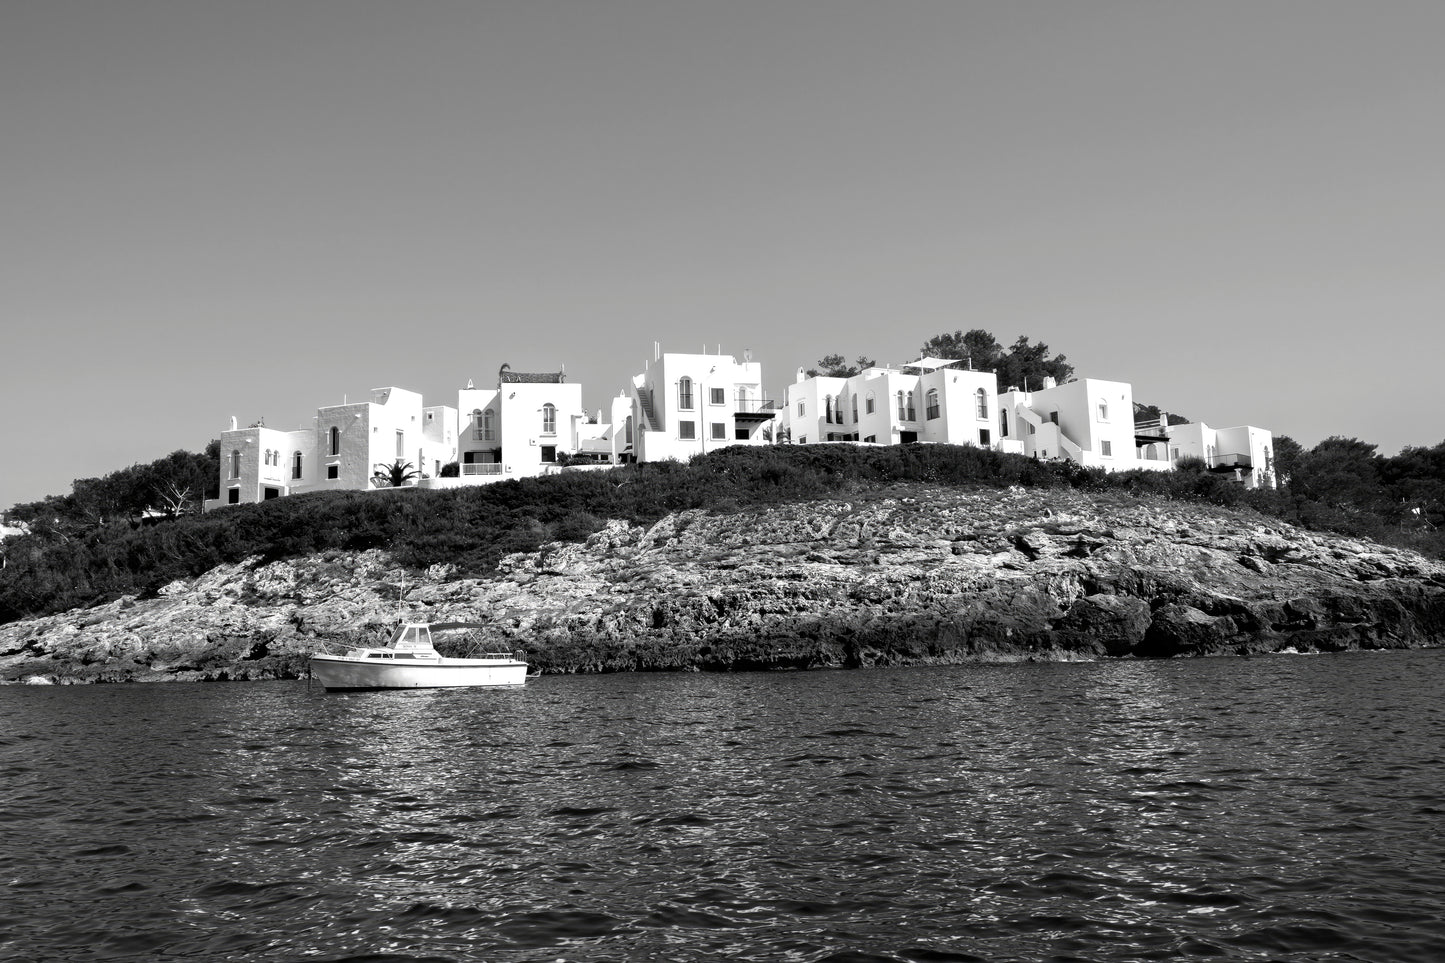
643	397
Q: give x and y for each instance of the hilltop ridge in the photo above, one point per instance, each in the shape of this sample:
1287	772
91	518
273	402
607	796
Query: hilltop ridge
900	574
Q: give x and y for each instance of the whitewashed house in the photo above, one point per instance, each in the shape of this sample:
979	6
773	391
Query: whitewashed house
688	404
929	400
341	449
1244	453
519	428
1088	421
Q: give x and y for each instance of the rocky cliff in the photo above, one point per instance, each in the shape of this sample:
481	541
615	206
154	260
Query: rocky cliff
909	575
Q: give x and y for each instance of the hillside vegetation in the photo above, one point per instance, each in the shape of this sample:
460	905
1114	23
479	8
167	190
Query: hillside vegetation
58	568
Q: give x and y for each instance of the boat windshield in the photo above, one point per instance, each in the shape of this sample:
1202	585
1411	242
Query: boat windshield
409	636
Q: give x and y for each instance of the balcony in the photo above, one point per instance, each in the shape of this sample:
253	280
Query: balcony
1231	461
482	468
754	409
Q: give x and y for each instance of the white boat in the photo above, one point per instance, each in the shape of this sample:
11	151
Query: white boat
410	661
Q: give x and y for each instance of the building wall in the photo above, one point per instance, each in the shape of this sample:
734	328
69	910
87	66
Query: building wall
265	457
1089	421
684	427
956	421
527	447
474	448
1221	448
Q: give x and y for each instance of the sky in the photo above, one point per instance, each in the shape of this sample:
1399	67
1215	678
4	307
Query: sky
255	209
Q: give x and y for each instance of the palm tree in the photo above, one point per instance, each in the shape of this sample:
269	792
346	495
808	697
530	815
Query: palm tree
395	475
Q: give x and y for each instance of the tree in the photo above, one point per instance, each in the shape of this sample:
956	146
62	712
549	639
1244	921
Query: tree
1287	453
976	346
836	366
394	475
1340	472
1149	414
1024	365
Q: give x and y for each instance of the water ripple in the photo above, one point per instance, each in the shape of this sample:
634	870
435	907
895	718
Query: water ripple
1263	809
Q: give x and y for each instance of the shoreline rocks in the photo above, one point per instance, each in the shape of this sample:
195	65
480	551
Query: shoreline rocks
907	576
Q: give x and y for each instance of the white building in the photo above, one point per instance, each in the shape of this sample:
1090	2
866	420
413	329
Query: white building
1088	421
342	449
518	428
688	404
930	400
1245	453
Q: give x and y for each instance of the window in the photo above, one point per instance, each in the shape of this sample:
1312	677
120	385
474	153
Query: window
984	438
270	493
235	464
333	471
549	452
487	428
627	429
902	407
802	407
400	445
868	403
719	431
1002	422
828	409
1103	411
912	412
233	496
296	464
1106	448
717	395
335	446
871	439
931	404
549	419
980	403
684	394
855	409
687	430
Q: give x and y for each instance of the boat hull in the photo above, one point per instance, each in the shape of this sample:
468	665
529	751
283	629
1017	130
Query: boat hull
342	672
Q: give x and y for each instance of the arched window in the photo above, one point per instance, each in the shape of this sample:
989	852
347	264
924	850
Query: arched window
684	393
489	427
868	403
855	409
335	447
627	428
980	400
296	464
930	404
235	464
902	408
477	423
1103	410
1003	422
828	409
549	419
912	412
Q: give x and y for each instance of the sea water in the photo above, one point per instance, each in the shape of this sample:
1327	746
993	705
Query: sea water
1282	808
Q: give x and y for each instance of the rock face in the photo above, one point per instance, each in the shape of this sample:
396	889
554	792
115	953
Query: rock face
908	576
